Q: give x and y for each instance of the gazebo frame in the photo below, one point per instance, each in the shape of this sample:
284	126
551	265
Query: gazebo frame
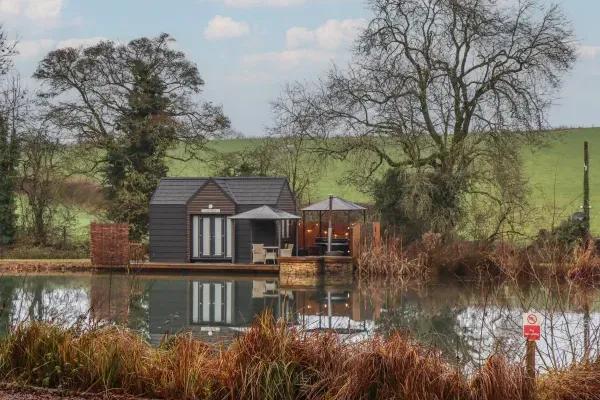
333	203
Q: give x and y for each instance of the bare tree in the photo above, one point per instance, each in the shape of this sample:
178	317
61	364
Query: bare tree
445	89
297	160
8	49
41	171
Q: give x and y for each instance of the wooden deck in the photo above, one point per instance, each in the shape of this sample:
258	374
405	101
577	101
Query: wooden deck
204	267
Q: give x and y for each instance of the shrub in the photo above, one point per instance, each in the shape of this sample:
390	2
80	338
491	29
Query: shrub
45	253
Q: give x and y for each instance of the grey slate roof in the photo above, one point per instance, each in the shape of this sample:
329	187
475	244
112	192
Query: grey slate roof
338	204
243	190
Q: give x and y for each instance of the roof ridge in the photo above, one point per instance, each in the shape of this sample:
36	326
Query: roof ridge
225	178
230	191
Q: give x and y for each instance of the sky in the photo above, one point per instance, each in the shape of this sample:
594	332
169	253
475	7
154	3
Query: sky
247	49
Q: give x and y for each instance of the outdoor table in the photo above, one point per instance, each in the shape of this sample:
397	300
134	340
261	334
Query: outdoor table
274	249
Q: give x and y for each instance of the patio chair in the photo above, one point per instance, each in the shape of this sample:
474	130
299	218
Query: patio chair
288	251
259	254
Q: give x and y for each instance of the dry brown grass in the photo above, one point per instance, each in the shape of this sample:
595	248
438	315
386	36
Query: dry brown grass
586	264
432	258
499	380
271	361
577	382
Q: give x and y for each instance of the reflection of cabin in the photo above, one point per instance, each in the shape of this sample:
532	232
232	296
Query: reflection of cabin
220	309
190	218
208	306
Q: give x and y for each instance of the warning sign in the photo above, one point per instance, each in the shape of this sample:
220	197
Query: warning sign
532	326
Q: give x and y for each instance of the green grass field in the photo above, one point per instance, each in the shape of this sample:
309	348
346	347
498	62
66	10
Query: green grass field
555	175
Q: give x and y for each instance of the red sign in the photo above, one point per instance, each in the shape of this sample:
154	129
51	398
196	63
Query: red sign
532	332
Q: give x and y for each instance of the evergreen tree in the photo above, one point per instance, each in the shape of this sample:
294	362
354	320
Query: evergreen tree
8	160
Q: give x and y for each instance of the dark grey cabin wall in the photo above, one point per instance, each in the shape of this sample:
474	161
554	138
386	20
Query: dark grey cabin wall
262	232
167	233
286	200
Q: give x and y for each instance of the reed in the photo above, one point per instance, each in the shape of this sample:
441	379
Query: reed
577	382
270	361
431	258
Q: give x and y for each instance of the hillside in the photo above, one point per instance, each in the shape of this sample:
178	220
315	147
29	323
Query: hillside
555	174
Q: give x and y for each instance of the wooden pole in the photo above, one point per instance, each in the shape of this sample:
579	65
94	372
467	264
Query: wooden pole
530	361
304	233
586	187
330	228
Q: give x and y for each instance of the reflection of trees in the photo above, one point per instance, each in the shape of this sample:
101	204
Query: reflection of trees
139	307
429	322
37	301
8	290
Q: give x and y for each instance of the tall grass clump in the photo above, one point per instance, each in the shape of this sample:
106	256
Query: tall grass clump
270	361
397	368
499	380
390	260
577	382
585	267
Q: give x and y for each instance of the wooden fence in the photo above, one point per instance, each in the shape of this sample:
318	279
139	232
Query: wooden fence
364	235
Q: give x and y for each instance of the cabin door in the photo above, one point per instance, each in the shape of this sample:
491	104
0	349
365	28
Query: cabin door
211	237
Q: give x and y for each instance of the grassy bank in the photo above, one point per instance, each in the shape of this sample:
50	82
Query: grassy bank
555	176
269	362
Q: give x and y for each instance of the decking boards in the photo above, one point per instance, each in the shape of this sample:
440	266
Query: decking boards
205	267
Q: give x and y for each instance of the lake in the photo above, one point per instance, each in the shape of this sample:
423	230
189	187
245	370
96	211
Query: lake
463	320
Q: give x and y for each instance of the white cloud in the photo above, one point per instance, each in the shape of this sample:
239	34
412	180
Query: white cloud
10	7
289	58
298	37
76	42
43	9
33	48
224	27
332	35
35	10
589	51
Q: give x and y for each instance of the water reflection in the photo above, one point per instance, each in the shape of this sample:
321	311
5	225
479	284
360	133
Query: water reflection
463	320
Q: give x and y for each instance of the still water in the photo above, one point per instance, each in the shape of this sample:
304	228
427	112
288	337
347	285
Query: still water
464	321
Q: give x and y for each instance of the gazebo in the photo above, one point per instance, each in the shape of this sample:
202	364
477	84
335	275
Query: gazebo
266	213
330	205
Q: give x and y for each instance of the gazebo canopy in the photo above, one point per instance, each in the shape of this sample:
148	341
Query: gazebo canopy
338	204
266	213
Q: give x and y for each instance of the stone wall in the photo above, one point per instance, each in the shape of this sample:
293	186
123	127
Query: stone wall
109	244
308	266
292	280
338	266
312	271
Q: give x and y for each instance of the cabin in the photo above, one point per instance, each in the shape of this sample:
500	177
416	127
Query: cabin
191	219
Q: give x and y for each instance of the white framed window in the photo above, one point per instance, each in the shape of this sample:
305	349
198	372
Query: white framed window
286	227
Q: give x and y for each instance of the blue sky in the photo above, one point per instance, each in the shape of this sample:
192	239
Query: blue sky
246	49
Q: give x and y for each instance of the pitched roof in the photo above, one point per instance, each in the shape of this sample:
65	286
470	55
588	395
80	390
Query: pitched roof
265	213
338	204
243	190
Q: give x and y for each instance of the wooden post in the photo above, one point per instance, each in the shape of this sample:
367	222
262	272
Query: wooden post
376	234
586	187
330	228
356	240
530	361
